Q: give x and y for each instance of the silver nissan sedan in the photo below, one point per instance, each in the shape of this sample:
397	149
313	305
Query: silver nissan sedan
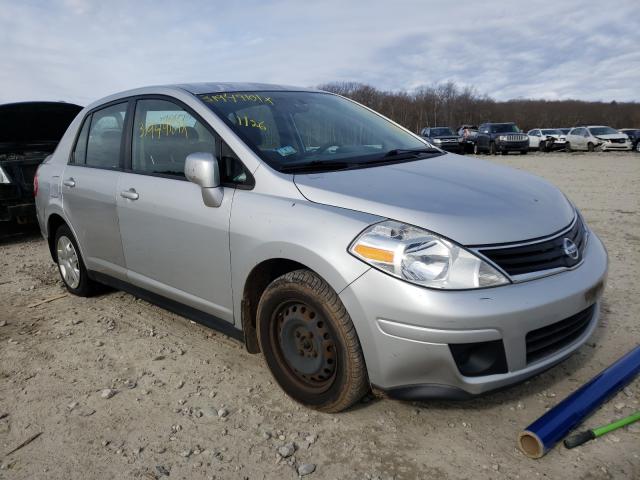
349	251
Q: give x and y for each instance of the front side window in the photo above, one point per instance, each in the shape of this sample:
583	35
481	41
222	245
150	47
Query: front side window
105	136
298	129
165	134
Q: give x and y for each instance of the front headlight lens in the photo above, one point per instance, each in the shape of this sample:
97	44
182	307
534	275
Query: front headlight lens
437	140
423	258
4	178
502	138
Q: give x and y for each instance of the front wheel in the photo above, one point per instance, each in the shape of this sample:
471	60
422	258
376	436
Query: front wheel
638	147
590	147
524	152
71	265
476	149
310	344
568	147
492	149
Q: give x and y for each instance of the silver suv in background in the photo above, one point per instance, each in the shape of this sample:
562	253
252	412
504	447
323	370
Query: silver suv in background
346	249
597	137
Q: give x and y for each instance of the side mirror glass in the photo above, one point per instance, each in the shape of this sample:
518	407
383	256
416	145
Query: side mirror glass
202	169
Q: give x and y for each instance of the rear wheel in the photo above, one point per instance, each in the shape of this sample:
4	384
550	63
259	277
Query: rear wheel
310	344
70	264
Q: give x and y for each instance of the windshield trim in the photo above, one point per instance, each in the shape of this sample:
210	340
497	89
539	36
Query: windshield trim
355	164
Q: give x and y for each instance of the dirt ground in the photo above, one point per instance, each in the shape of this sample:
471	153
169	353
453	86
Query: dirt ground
191	403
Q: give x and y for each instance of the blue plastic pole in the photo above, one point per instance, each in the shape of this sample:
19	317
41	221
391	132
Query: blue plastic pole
553	426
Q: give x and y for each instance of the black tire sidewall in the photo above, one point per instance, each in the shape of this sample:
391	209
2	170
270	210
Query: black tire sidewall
272	300
84	287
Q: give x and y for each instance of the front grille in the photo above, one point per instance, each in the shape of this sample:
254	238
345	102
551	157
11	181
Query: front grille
552	338
543	255
617	140
516	138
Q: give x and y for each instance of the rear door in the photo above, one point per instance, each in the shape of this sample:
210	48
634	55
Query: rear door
174	245
89	187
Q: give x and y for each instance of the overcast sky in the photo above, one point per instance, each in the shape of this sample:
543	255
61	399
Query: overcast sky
80	50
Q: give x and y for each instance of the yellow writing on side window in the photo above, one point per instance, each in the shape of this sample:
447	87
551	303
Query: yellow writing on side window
173	125
237	98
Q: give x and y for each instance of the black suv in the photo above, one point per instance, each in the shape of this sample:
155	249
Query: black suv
442	137
634	136
501	137
29	132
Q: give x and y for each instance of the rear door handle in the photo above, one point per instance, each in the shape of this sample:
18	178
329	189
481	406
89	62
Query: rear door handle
131	194
69	182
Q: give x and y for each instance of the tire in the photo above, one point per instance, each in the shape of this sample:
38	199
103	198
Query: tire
71	265
492	149
590	147
523	152
310	344
567	147
637	147
476	149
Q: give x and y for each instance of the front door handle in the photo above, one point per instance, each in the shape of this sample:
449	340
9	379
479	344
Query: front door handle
131	194
69	182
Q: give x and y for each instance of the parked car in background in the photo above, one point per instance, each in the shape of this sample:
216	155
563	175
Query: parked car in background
344	248
597	137
494	138
546	139
564	131
468	134
634	136
29	132
442	137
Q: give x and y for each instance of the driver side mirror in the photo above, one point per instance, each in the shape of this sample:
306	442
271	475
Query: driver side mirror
202	169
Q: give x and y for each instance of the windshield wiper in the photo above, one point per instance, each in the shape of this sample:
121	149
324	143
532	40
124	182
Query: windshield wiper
402	152
316	165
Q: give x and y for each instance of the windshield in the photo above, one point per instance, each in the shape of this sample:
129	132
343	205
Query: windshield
441	132
309	128
504	128
603	131
551	132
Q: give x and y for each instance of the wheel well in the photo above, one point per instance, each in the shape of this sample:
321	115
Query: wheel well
53	223
257	281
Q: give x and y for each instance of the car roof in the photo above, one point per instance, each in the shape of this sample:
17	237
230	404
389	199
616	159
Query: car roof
201	88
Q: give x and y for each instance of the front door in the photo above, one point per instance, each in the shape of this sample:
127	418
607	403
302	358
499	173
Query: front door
174	245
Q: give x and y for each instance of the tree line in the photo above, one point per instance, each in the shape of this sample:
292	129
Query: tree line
447	104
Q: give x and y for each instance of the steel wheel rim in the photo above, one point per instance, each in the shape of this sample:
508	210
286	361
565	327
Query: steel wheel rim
305	346
68	262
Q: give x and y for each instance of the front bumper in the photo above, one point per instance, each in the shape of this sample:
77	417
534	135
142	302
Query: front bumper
502	146
608	146
406	331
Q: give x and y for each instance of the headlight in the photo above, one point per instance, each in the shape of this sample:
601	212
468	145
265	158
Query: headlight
423	258
502	138
437	140
4	178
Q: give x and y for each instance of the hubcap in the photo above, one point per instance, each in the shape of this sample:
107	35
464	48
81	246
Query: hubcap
306	344
68	262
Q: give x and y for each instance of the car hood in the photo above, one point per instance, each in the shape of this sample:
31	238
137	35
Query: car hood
470	201
612	136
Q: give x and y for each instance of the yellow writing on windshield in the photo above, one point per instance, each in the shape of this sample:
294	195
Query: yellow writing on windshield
245	121
237	98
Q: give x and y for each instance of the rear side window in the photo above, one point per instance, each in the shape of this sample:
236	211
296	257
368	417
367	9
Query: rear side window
105	136
164	134
80	151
